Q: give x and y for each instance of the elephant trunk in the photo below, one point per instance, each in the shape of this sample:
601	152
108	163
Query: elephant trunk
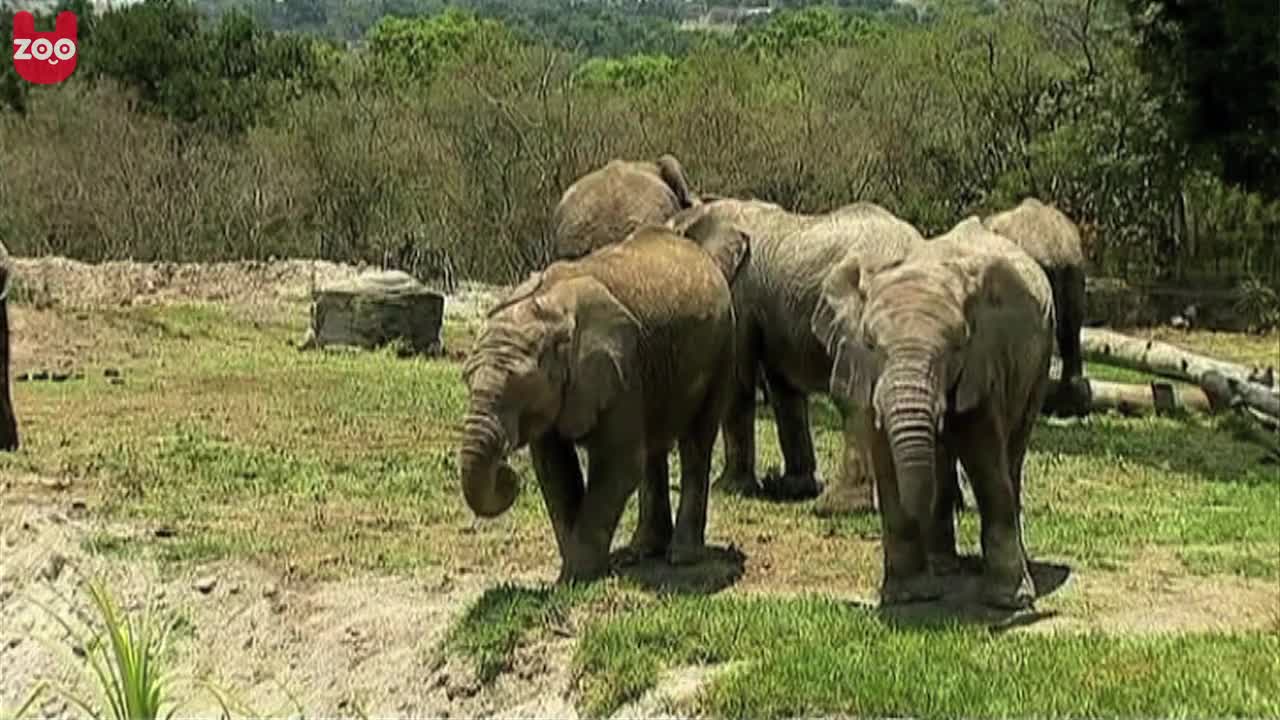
488	482
907	401
8	419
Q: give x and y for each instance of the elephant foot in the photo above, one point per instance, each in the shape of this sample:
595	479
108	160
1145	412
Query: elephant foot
920	587
1009	595
943	564
737	483
646	543
845	499
803	486
685	553
583	567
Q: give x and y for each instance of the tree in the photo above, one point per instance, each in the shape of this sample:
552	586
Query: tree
1218	65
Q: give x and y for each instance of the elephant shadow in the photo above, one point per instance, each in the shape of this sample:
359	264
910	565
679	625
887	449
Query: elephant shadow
962	604
718	568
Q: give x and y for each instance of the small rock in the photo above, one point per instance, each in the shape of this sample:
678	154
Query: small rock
116	381
164	531
13	642
40	375
53	567
233	590
205	585
60	376
24	377
79	505
111	372
271	591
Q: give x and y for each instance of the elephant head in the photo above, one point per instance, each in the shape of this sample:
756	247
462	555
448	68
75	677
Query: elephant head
552	356
914	341
728	246
8	420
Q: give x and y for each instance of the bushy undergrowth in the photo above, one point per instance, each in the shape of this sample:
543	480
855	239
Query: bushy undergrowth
444	143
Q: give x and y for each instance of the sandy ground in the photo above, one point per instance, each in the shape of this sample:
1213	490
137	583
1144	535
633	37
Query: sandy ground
371	644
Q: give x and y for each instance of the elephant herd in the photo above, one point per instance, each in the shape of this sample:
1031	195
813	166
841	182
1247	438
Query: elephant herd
664	310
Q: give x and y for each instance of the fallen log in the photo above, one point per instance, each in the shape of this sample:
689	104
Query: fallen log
1160	358
1225	384
1134	400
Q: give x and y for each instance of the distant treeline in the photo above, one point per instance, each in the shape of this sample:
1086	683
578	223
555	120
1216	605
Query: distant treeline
445	138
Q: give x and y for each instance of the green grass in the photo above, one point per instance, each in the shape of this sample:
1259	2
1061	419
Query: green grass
329	464
808	656
495	625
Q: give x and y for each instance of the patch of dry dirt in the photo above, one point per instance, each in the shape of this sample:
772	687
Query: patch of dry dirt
365	644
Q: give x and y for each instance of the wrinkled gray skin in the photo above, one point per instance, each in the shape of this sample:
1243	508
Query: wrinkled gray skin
8	420
774	296
944	356
1053	241
609	203
622	353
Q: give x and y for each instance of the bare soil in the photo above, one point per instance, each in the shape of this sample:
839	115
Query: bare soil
371	643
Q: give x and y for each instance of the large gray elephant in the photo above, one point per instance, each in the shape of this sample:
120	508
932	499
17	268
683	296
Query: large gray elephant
944	356
774	295
8	419
1053	241
624	353
609	203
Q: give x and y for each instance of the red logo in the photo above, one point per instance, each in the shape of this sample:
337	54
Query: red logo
48	57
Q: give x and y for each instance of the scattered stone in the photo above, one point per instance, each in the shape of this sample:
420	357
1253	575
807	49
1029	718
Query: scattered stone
53	567
60	376
40	375
116	381
24	377
376	309
205	585
111	372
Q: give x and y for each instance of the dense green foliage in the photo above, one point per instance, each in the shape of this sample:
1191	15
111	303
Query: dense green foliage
442	141
1220	65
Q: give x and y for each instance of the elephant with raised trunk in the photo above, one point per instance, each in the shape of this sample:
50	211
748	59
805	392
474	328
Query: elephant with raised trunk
1053	241
626	353
774	296
609	203
8	419
944	356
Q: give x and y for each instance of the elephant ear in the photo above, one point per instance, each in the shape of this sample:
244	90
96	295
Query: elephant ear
837	323
518	293
990	308
728	247
672	173
599	354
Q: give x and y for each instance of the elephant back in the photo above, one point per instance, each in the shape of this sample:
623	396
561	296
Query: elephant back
608	204
1043	231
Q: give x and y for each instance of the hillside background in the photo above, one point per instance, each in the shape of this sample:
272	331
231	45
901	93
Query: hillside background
436	137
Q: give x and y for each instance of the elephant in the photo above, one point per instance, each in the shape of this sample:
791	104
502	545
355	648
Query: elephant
774	295
1053	241
609	203
944	355
9	440
625	353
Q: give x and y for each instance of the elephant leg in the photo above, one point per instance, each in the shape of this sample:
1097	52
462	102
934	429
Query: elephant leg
653	526
943	558
739	475
695	477
906	570
791	413
560	478
615	468
985	451
853	489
